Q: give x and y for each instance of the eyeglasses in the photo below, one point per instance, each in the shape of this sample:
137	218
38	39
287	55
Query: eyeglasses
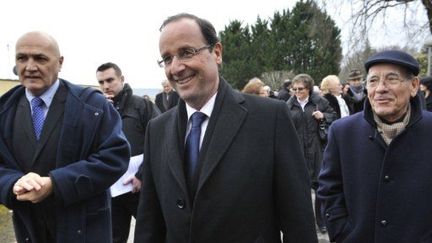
183	55
389	80
299	89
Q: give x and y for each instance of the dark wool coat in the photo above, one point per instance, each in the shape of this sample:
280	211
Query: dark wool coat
253	181
172	101
375	193
92	154
307	129
333	102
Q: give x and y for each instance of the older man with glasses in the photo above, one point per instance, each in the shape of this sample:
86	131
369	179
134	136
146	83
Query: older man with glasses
375	184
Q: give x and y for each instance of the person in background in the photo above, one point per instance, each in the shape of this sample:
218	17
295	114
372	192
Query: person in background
375	183
332	91
265	91
135	113
61	147
426	88
147	97
356	93
285	92
200	184
345	88
168	98
270	92
256	87
308	109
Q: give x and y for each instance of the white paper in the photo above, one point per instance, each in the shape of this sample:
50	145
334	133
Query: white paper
118	188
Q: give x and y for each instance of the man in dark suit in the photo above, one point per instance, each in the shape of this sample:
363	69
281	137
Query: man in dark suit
221	166
61	147
168	98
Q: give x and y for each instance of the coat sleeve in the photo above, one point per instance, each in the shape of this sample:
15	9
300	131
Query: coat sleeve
330	190
96	155
292	185
150	226
8	177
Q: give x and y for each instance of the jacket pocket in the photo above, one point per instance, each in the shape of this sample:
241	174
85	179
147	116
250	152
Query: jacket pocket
337	223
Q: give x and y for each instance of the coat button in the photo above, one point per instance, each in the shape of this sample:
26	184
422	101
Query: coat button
384	223
79	232
386	178
180	203
327	215
27	239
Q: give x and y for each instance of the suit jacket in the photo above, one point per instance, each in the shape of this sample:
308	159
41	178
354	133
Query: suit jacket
172	101
253	181
92	153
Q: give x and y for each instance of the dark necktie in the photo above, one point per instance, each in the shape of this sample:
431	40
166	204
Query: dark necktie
38	115
192	147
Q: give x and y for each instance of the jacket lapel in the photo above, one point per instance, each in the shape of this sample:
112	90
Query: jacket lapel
174	145
226	120
26	123
53	118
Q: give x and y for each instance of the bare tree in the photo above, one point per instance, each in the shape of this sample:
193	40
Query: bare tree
368	18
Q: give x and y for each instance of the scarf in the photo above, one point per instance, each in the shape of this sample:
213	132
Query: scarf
358	92
390	131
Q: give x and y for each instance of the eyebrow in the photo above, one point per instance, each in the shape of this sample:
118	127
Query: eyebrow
106	80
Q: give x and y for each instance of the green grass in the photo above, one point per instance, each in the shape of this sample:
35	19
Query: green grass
6	228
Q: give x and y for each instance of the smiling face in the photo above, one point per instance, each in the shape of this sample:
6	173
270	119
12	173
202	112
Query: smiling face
300	90
196	80
390	99
38	61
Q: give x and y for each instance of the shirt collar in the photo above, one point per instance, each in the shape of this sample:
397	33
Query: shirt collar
47	96
206	109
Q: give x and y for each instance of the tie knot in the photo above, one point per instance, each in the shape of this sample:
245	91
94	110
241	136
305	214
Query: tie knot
37	102
197	118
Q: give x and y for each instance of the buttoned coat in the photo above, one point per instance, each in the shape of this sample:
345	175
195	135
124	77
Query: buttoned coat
373	192
253	181
91	155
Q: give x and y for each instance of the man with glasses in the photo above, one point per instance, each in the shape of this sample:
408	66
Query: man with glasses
375	183
221	166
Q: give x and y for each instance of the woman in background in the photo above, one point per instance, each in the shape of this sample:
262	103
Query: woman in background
426	88
331	88
308	109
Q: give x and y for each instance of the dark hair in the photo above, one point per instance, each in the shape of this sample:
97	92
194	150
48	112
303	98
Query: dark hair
286	84
306	79
427	81
207	29
109	65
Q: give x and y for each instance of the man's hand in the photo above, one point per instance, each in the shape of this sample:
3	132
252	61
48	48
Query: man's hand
32	187
136	183
109	97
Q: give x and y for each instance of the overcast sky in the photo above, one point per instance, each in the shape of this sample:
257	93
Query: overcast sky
125	32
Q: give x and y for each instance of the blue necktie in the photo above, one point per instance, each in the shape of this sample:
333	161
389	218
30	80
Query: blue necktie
192	146
38	115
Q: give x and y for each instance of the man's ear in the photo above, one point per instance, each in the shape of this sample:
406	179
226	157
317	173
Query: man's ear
415	84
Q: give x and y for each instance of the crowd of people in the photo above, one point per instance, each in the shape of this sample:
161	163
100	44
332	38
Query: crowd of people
207	163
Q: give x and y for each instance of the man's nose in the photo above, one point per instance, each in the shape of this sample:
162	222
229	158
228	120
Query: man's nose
31	65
